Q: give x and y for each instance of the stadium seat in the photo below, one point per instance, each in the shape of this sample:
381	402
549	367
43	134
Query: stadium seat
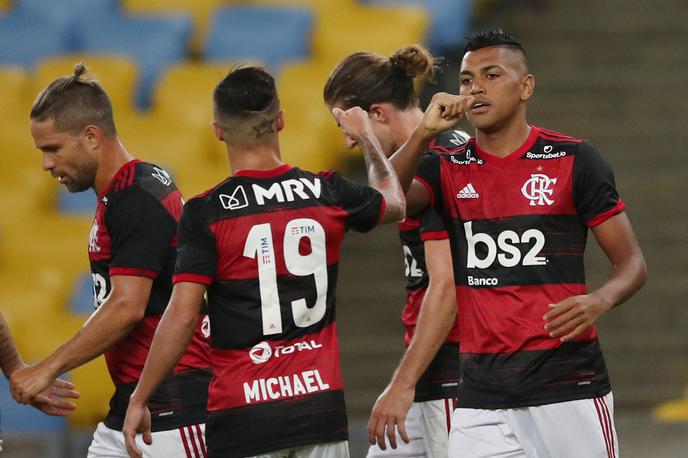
272	35
166	142
77	203
199	10
378	29
301	87
65	13
450	20
117	74
17	92
5	5
25	40
154	42
81	299
320	7
95	387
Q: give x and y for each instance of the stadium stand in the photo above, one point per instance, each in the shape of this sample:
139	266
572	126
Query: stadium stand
117	74
24	40
153	41
277	35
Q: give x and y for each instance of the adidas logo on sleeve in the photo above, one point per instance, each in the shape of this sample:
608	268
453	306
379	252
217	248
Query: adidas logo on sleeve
468	192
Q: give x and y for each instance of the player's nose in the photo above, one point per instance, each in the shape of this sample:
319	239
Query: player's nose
48	162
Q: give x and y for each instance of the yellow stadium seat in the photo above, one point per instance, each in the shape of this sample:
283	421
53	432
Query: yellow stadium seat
117	74
166	141
199	10
93	383
196	180
377	29
16	96
301	92
5	5
320	7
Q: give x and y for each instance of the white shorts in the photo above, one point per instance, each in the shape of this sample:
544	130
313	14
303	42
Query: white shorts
186	442
427	426
326	450
573	429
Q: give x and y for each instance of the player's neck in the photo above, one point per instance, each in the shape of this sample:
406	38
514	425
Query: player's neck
112	157
406	121
505	140
257	158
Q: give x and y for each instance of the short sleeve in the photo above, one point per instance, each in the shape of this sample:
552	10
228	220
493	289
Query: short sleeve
196	251
594	187
141	231
364	205
431	226
428	174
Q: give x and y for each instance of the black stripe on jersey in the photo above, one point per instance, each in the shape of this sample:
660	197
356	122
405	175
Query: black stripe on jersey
243	312
441	379
180	400
572	371
564	239
264	428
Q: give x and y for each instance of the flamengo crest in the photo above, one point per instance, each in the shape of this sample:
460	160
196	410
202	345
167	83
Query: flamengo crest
538	189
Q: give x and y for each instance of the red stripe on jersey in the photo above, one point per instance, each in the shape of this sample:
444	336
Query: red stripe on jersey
284	168
558	136
434	235
428	187
192	439
383	208
601	218
603	425
133	272
515	155
173	203
182	433
126	358
409	223
231	235
275	370
192	278
201	440
491	324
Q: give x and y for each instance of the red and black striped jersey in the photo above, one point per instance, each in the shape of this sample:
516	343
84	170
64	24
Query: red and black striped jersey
134	233
518	227
267	245
441	379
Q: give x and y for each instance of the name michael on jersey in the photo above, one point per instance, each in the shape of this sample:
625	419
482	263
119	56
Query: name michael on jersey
284	386
280	191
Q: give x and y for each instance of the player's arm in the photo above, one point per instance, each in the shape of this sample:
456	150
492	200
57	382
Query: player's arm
172	336
113	320
442	113
437	315
381	175
570	317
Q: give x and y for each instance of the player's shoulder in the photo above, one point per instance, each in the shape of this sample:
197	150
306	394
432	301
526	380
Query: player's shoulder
450	141
551	144
138	178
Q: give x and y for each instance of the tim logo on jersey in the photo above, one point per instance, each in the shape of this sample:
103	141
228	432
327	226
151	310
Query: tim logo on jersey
280	191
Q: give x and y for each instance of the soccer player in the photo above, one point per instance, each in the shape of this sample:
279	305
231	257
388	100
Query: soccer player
422	393
265	245
132	253
534	379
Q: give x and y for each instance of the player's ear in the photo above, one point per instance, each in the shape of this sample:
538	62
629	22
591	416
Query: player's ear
377	112
92	135
280	121
217	131
527	86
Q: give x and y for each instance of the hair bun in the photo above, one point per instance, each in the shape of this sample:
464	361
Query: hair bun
414	60
80	69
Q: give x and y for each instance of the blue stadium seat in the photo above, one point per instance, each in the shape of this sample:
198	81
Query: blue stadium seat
272	35
20	419
451	20
81	299
77	203
154	41
65	13
24	40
